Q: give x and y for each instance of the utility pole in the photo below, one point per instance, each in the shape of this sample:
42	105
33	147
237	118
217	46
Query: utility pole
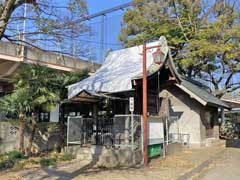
23	38
102	38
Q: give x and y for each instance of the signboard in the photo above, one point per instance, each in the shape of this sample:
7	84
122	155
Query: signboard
131	104
155	131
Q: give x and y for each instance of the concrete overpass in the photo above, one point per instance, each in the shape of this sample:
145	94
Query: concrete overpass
12	55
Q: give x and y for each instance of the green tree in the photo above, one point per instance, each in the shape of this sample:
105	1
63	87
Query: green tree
32	92
36	80
204	36
17	104
60	83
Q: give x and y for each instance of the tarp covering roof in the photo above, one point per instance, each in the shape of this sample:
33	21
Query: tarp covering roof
118	70
123	66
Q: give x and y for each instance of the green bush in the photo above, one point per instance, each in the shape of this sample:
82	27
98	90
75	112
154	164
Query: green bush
228	130
6	164
49	127
14	155
66	157
7	160
51	161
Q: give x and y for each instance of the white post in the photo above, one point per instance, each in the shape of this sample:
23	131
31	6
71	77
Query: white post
132	134
167	129
142	139
222	116
131	109
24	29
67	132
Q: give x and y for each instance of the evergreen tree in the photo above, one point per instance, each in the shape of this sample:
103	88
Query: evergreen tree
204	36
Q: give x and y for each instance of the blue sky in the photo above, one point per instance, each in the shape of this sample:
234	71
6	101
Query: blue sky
92	40
112	25
99	5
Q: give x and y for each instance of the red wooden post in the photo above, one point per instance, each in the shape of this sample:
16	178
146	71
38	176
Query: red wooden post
145	128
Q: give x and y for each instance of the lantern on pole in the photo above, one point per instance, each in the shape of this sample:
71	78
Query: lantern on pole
158	56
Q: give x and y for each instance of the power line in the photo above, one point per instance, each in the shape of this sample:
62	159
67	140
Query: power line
104	12
97	42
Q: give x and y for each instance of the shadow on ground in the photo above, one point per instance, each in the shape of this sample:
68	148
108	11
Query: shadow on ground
87	170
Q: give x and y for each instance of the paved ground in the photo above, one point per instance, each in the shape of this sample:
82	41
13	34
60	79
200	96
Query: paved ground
209	163
223	168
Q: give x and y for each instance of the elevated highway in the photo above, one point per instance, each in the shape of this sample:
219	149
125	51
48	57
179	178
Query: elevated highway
12	55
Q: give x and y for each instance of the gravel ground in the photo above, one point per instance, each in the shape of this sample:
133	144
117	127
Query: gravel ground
189	164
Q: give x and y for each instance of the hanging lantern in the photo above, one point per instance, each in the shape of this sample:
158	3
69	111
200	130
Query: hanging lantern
158	56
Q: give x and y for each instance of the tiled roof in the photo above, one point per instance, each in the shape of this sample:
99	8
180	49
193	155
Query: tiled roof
201	91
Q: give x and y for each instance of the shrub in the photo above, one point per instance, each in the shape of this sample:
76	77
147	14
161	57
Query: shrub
51	161
7	160
26	163
66	157
15	155
19	164
227	130
6	164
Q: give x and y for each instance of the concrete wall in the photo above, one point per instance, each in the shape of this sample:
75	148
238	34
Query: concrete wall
101	156
188	112
9	138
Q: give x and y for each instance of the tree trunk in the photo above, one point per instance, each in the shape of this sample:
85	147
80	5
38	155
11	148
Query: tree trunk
21	132
32	134
8	6
62	127
5	14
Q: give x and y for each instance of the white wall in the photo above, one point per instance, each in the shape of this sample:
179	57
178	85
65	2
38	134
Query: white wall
54	115
188	112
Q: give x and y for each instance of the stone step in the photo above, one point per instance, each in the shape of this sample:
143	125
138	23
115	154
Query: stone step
214	142
106	157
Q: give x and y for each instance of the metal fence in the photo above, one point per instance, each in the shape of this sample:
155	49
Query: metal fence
122	130
127	131
179	138
74	130
119	131
175	136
